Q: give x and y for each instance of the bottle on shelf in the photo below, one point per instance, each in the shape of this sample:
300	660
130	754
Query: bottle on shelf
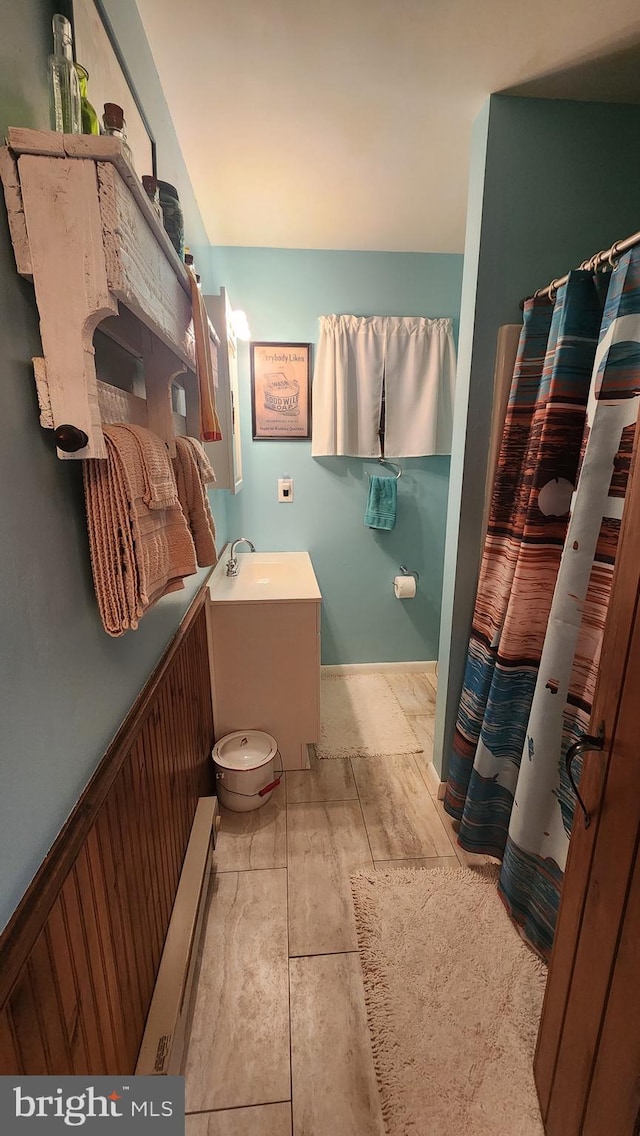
88	114
172	216
114	125
64	88
188	259
153	193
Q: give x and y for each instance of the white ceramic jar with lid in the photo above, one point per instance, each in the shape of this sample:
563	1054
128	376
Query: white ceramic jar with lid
246	772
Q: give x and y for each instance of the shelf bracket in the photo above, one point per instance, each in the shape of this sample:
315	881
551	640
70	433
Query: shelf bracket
67	263
161	369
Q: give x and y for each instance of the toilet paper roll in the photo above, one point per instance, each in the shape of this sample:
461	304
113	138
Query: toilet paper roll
404	587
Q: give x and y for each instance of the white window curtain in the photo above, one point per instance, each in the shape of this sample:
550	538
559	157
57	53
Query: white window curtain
411	358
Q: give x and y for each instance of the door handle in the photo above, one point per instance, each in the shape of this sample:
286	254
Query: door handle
585	743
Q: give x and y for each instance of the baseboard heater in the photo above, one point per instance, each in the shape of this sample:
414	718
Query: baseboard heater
165	1035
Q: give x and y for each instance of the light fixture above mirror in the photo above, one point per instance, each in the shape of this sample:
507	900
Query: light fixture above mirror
240	325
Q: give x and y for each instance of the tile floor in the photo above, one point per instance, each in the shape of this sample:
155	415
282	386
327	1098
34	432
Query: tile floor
279	1044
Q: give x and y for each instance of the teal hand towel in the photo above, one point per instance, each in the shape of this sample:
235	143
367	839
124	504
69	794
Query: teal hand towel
382	503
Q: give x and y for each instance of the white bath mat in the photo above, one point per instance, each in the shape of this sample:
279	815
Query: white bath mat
453	1001
360	716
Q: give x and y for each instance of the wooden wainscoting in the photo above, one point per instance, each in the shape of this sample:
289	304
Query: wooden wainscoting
79	958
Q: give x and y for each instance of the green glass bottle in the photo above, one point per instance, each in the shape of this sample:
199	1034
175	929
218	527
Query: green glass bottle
90	120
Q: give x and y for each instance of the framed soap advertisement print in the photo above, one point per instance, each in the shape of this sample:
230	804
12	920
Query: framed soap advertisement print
280	391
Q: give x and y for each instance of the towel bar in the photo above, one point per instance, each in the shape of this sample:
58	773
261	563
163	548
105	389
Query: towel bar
70	438
385	461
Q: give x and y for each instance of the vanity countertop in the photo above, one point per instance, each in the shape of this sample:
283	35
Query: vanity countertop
264	577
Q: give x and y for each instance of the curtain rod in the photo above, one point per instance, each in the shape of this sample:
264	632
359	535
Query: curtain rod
592	264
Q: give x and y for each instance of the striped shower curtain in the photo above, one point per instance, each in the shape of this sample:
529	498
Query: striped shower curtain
544	585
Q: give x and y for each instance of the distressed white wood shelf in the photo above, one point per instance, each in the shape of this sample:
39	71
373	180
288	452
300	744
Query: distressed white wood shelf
86	234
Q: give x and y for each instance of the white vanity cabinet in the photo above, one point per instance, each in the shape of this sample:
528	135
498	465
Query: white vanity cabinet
264	649
226	456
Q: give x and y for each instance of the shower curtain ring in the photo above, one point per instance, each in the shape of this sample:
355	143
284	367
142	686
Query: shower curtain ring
613	254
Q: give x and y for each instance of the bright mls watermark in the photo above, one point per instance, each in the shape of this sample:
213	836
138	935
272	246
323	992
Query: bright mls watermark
112	1106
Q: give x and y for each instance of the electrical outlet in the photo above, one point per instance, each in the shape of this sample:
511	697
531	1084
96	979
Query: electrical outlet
285	489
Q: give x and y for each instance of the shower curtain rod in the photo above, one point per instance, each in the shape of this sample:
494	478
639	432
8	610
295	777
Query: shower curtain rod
592	264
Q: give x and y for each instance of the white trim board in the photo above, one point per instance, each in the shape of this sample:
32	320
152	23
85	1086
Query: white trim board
428	666
435	785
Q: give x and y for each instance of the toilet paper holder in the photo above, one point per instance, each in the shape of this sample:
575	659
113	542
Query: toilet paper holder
405	572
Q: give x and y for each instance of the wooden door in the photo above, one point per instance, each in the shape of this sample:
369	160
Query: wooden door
587	1064
613	1104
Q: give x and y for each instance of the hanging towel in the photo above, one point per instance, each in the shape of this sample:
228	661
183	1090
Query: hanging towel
194	501
210	430
207	472
382	503
159	484
140	550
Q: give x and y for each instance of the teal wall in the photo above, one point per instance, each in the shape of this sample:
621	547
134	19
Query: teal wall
284	292
551	182
65	686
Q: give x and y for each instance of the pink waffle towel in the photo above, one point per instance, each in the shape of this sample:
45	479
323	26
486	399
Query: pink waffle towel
140	543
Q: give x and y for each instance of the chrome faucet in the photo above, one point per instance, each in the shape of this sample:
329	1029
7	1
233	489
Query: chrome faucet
232	562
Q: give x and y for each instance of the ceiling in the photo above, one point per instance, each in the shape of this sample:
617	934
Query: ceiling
346	124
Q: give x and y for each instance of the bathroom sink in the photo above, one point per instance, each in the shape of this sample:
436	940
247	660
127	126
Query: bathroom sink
255	570
264	576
